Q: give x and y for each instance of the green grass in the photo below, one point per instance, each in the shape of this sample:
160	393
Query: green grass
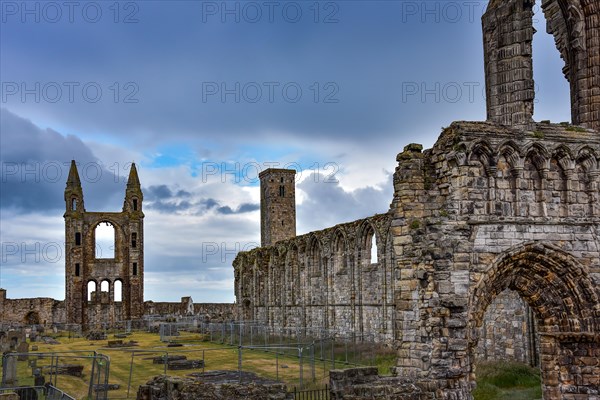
495	381
507	381
76	350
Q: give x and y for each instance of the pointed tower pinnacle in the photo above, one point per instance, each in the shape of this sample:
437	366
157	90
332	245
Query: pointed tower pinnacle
133	192
73	179
133	182
73	190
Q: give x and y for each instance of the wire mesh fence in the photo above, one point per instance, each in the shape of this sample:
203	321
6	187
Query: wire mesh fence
301	357
87	370
330	345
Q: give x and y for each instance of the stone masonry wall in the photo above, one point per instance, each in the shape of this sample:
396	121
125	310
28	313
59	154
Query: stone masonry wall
507	332
30	311
214	311
490	208
176	388
47	311
334	279
508	36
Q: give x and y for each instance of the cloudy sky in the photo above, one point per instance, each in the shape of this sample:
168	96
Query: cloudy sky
203	95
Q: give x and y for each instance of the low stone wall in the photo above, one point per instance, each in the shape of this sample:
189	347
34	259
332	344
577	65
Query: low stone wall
32	311
365	383
173	388
47	311
213	311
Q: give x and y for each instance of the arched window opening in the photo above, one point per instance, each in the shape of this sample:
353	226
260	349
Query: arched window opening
282	191
135	269
134	240
104	286
118	289
339	248
105	240
551	86
315	259
74	204
373	249
135	204
557	181
91	288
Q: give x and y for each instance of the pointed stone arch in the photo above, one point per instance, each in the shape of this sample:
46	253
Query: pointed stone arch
564	300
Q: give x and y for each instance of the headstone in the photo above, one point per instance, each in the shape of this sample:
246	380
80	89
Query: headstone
9	370
23	348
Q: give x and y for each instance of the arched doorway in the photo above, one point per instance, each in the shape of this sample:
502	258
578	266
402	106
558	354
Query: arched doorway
566	307
32	318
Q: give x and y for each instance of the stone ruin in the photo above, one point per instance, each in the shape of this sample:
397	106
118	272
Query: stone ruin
496	206
497	214
13	340
214	385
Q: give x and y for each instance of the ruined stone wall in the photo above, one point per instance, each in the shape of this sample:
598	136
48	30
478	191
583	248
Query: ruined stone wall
490	208
508	36
334	279
214	311
93	283
30	311
47	311
508	332
364	383
217	311
206	388
576	29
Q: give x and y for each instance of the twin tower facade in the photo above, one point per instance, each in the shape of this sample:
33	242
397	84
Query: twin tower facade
103	290
108	290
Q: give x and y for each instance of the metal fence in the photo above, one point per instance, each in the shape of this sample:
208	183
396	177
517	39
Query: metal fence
88	370
47	392
315	394
331	346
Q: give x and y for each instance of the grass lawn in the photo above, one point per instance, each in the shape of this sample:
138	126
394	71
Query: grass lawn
507	381
138	360
495	381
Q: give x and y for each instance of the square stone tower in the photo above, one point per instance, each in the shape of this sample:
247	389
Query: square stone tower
277	205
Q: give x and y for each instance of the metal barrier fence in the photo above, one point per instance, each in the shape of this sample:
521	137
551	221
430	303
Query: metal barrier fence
330	345
76	368
316	394
47	392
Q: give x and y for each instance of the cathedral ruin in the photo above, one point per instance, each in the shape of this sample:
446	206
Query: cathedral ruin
496	214
92	283
491	244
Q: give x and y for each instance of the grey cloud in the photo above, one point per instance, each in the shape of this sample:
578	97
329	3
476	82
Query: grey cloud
159	192
35	166
327	204
243	208
162	199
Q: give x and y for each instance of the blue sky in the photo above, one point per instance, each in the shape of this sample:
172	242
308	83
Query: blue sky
202	95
